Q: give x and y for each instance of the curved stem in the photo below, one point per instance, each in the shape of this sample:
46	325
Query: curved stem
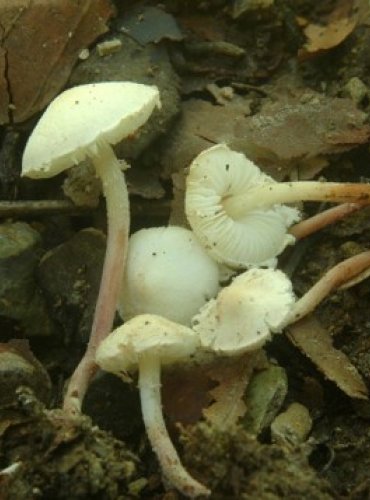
308	226
292	192
150	395
346	271
117	203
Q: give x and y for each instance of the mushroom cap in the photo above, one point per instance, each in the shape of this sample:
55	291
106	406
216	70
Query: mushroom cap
167	273
78	118
254	239
245	313
146	334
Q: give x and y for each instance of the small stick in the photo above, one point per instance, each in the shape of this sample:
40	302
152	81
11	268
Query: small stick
39	208
26	208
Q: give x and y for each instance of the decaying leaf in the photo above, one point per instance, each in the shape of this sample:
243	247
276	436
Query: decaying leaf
214	390
203	124
332	31
323	38
232	376
306	127
39	43
185	392
316	343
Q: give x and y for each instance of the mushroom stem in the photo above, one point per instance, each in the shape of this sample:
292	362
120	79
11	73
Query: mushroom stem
350	270
291	192
117	203
150	395
308	226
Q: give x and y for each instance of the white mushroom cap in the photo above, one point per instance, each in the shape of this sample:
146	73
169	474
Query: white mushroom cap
145	334
81	116
245	313
167	273
236	239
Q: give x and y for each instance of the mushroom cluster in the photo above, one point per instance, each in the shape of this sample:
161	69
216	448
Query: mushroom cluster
240	319
169	294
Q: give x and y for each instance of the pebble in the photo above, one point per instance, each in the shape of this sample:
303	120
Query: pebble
292	426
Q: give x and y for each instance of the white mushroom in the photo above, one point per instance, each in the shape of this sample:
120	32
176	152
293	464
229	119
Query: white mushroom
81	123
245	313
261	301
167	273
237	211
145	343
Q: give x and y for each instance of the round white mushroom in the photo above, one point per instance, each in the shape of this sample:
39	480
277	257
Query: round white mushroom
167	273
145	343
245	313
83	122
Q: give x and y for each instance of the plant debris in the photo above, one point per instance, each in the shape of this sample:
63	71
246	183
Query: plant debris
314	341
36	63
58	457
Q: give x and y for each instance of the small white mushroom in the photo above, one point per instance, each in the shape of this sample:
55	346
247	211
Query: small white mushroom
245	313
238	212
167	273
83	122
145	343
261	301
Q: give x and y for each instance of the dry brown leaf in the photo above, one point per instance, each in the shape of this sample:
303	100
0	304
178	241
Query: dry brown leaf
39	43
322	38
232	376
185	392
332	31
316	343
202	124
214	390
306	127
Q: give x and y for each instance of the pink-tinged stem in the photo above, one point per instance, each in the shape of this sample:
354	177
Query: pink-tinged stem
117	202
150	395
339	275
308	226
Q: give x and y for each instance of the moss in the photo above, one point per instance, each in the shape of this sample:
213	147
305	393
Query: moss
235	465
60	457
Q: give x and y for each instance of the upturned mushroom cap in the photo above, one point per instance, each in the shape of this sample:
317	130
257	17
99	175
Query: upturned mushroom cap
245	313
240	241
81	116
167	273
145	334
